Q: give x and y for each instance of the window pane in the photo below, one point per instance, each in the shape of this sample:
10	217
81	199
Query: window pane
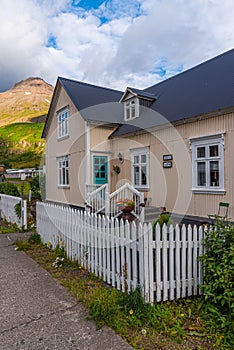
136	159
214	173
133	109
136	175
143	175
143	158
201	152
214	151
201	174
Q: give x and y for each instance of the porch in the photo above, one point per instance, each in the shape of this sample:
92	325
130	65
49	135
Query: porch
100	201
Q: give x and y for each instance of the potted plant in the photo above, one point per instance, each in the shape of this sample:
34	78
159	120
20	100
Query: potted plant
126	205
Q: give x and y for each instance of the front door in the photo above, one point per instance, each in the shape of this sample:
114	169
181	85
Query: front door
100	170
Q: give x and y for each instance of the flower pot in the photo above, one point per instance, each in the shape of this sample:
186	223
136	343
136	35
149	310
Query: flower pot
127	209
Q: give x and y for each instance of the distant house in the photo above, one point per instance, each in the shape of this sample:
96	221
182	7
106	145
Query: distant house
172	142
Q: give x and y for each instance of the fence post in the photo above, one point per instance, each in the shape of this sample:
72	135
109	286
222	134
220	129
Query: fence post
107	202
24	203
142	208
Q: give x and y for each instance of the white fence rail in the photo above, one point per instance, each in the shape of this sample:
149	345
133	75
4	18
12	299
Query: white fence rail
126	255
7	209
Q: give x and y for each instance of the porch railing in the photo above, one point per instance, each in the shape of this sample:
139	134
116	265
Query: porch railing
101	201
96	199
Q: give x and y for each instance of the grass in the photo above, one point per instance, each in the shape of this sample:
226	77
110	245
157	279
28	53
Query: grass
181	324
21	145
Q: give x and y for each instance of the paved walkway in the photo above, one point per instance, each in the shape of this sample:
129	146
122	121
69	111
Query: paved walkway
38	313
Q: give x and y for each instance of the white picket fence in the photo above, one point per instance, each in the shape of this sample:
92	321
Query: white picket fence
126	255
7	209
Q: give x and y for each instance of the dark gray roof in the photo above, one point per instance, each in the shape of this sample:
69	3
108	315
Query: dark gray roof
205	88
139	93
94	102
208	87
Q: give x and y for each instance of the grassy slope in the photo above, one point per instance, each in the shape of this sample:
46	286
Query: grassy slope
21	145
23	112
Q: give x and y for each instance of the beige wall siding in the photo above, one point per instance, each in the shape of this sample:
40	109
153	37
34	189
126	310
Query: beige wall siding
168	187
74	146
172	187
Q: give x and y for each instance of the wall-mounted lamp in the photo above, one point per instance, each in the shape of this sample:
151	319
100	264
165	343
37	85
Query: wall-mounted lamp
121	157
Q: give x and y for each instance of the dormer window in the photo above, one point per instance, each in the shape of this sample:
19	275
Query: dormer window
130	109
135	102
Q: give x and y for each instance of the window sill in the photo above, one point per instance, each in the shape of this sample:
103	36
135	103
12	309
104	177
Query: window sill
63	137
64	186
208	191
140	188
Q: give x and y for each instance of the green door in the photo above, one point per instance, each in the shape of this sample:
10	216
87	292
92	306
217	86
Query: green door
100	170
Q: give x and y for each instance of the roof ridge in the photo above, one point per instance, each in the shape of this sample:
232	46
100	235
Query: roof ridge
190	69
88	84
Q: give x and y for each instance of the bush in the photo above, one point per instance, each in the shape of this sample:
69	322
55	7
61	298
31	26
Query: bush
9	189
162	219
35	187
218	263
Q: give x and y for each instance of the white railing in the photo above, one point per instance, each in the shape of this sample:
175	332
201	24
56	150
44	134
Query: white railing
127	192
127	255
8	212
96	200
99	200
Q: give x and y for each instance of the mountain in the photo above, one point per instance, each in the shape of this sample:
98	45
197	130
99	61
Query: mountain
23	110
25	100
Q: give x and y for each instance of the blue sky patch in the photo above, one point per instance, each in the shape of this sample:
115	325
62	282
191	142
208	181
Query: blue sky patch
87	4
51	42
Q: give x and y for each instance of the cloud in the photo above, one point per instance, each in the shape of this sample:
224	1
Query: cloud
111	43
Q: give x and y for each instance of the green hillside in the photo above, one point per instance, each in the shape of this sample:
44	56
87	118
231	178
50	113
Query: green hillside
23	110
21	145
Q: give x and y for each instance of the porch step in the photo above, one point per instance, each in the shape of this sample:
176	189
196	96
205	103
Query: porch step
151	213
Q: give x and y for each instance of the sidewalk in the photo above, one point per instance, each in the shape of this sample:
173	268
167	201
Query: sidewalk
38	313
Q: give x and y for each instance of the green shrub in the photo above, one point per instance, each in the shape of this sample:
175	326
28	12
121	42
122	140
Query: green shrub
218	263
18	209
162	219
9	189
35	187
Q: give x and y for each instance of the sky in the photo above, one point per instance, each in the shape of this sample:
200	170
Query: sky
112	43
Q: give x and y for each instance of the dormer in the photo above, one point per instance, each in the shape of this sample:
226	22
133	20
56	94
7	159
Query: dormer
134	101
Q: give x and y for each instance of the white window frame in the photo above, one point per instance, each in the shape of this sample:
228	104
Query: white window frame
206	142
139	152
131	108
63	122
63	165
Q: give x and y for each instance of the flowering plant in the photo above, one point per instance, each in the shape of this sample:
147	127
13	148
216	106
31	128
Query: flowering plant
122	203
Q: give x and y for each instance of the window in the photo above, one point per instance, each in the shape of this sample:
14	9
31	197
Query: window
140	167
63	118
63	171
208	163
130	109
